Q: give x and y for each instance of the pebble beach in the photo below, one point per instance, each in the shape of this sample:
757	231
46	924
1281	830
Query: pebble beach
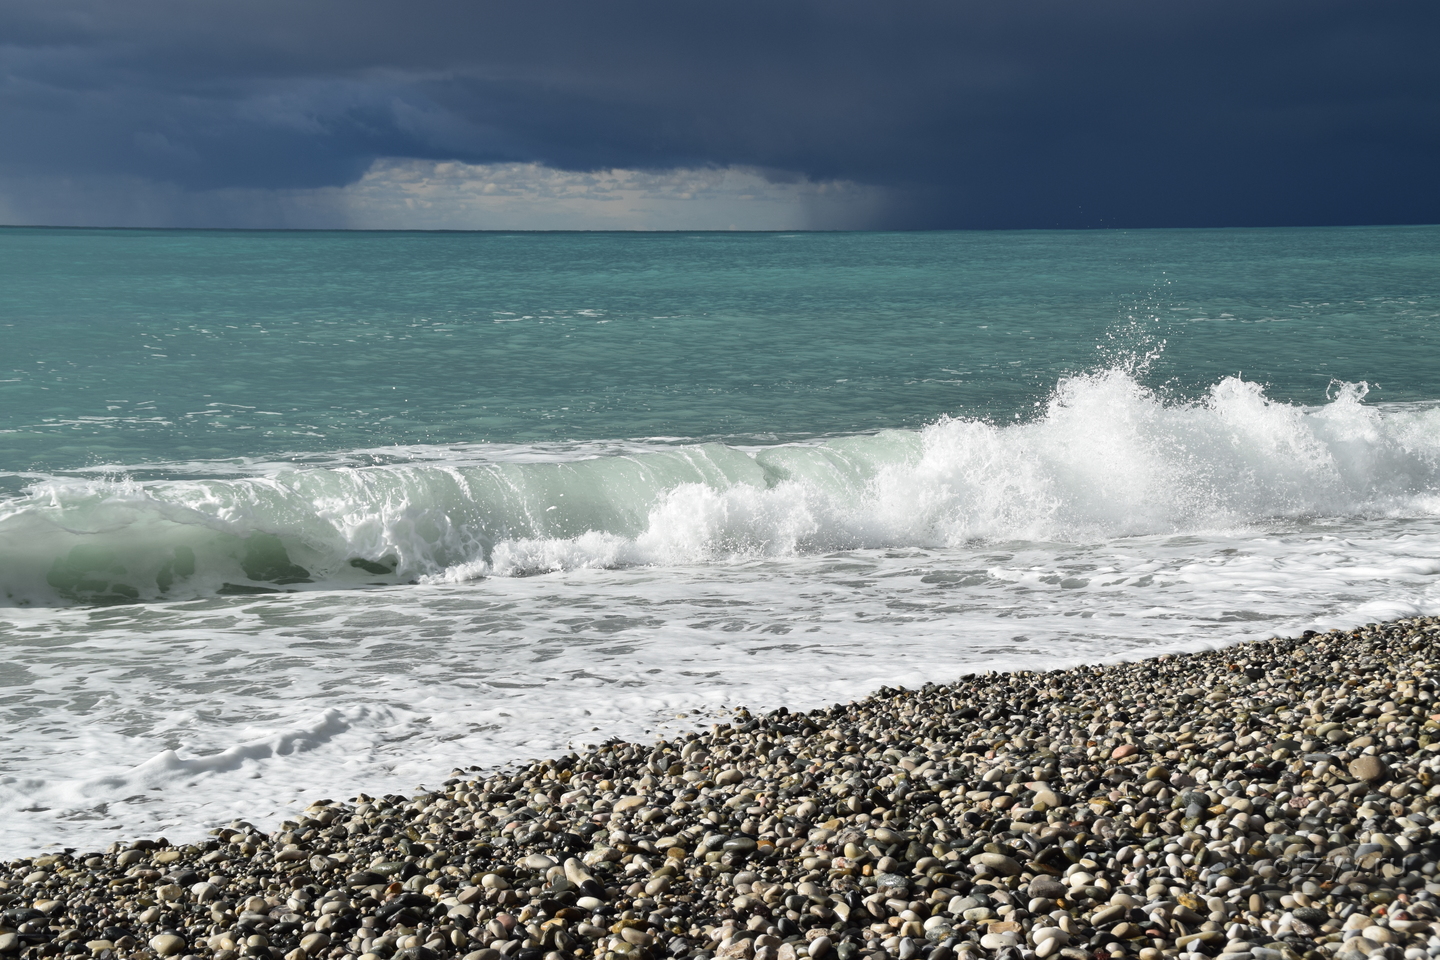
1272	800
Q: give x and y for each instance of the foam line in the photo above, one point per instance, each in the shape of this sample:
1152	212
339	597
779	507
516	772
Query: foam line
1104	458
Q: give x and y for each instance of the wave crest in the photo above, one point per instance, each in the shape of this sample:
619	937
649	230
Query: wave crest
1104	457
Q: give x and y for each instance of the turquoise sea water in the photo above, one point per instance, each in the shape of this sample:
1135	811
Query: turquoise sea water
296	513
128	347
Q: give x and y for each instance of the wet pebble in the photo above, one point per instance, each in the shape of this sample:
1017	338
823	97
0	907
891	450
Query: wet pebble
1267	801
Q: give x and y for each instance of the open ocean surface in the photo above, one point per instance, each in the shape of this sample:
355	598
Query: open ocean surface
286	516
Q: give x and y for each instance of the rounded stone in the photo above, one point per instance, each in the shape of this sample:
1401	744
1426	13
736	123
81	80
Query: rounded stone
937	929
1377	934
812	890
823	873
1048	888
1045	799
1041	934
1368	768
892	883
998	862
635	935
888	836
314	943
167	945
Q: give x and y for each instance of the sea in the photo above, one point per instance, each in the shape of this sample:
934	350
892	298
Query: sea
288	516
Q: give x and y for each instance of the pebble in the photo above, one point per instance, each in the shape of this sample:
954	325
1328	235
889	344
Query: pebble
1047	948
1266	801
1048	888
167	944
1368	768
997	941
1045	798
999	863
1049	933
314	943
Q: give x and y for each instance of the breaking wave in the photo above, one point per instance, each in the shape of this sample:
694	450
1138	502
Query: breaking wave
1103	458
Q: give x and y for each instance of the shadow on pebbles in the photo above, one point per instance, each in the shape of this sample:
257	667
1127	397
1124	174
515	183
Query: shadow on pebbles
1274	800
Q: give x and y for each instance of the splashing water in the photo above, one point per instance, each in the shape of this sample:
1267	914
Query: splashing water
285	516
1107	458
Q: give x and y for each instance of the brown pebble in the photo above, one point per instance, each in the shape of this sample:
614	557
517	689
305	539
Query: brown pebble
1368	768
1000	806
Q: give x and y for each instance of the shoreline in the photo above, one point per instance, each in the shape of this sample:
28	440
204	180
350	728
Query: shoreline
1271	800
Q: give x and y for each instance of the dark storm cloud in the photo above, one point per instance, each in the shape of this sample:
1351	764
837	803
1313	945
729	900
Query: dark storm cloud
976	114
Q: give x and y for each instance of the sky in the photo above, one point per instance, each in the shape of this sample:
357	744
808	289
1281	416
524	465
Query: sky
683	114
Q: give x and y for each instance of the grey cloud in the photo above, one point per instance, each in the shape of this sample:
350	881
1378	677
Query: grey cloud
1032	113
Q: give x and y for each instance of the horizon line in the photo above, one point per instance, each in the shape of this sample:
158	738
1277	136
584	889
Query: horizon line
712	230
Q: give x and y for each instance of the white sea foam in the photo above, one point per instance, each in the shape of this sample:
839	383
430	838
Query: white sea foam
1106	458
677	580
